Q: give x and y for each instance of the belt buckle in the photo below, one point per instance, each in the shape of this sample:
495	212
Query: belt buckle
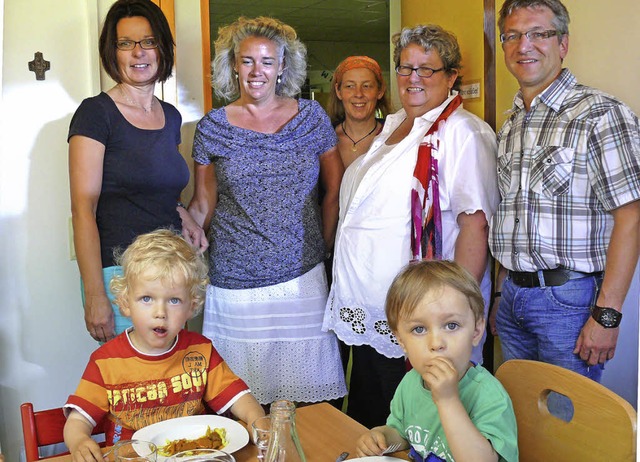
556	277
531	280
524	279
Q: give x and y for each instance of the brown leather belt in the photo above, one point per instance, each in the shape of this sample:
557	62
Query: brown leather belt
554	277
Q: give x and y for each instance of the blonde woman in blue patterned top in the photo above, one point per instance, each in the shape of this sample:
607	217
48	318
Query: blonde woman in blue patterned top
258	164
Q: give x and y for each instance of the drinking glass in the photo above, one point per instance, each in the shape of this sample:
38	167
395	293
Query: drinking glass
260	434
135	451
202	455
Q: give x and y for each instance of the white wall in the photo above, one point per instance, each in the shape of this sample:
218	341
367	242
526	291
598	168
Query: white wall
43	342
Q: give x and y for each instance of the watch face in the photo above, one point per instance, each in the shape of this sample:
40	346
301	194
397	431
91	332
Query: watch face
608	317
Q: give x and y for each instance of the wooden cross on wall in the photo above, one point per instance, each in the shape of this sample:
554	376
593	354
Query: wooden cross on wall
39	65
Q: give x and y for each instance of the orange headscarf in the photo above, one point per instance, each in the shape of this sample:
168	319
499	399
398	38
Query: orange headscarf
357	62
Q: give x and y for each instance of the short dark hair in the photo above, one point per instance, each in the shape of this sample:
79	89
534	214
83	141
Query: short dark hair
161	31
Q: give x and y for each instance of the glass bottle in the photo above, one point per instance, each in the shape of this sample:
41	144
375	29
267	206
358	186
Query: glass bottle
284	445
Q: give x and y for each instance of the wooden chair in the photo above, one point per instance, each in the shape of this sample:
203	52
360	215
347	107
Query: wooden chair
603	426
42	428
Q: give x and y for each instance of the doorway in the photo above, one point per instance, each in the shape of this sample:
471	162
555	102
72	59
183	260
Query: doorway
331	30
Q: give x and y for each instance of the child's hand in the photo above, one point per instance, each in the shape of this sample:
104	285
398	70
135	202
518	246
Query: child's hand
87	450
77	437
371	443
441	377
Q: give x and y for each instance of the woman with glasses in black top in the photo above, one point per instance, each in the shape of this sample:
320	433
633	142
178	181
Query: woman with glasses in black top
126	173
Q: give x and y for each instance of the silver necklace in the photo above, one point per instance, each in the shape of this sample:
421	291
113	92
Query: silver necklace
135	103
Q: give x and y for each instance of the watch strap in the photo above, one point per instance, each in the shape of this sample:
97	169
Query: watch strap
608	318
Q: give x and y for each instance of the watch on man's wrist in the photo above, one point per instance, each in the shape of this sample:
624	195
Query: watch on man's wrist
606	317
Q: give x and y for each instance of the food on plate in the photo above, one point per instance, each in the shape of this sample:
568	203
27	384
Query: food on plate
212	439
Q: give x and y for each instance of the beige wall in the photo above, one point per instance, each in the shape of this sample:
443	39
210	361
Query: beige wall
603	46
603	51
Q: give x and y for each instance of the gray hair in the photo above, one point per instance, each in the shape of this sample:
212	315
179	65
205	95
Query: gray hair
292	53
560	14
431	37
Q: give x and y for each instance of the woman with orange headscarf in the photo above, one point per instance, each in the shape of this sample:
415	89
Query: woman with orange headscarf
358	92
425	189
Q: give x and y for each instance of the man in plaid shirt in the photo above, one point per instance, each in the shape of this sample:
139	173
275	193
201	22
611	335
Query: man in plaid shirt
567	232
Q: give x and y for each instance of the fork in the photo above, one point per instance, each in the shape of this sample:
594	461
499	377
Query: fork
392	448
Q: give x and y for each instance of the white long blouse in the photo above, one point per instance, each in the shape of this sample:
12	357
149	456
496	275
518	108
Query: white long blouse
373	237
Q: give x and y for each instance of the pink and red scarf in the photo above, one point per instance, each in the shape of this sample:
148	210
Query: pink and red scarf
426	217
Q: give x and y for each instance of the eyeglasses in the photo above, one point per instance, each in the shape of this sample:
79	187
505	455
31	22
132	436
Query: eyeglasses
532	35
145	44
406	71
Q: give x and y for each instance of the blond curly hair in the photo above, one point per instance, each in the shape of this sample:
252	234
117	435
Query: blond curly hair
164	255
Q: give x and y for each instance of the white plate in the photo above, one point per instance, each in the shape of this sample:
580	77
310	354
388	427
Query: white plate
374	459
193	427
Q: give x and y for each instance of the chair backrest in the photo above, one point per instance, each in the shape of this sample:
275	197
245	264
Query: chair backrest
42	428
603	426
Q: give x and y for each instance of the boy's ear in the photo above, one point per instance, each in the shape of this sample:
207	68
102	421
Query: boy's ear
399	341
123	306
478	332
124	310
194	309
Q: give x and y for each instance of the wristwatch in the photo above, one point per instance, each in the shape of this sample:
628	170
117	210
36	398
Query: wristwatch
606	317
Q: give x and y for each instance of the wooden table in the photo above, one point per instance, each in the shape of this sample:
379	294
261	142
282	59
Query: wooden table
324	432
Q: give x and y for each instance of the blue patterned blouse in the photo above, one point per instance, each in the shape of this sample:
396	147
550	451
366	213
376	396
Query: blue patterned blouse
266	228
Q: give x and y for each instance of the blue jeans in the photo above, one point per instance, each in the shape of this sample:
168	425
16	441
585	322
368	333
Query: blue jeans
543	323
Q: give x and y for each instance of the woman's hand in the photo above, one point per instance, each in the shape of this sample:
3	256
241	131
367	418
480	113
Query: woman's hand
331	171
86	158
192	231
98	317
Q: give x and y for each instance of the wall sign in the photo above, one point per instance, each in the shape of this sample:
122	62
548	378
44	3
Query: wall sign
470	90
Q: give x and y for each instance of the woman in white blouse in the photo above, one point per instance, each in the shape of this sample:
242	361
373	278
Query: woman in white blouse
376	234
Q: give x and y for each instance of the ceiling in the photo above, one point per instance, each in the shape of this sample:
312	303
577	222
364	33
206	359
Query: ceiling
314	20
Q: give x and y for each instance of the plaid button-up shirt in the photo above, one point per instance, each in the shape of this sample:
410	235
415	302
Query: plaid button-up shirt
562	167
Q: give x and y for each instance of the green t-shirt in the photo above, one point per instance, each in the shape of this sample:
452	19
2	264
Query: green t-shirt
415	415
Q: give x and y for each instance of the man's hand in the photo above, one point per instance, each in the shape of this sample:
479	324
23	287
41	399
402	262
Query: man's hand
595	343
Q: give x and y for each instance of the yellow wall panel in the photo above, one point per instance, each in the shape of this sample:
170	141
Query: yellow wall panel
465	19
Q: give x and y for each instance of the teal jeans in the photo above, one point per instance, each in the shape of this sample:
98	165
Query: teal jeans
122	323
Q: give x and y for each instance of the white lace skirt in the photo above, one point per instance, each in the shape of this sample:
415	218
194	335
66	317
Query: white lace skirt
271	337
